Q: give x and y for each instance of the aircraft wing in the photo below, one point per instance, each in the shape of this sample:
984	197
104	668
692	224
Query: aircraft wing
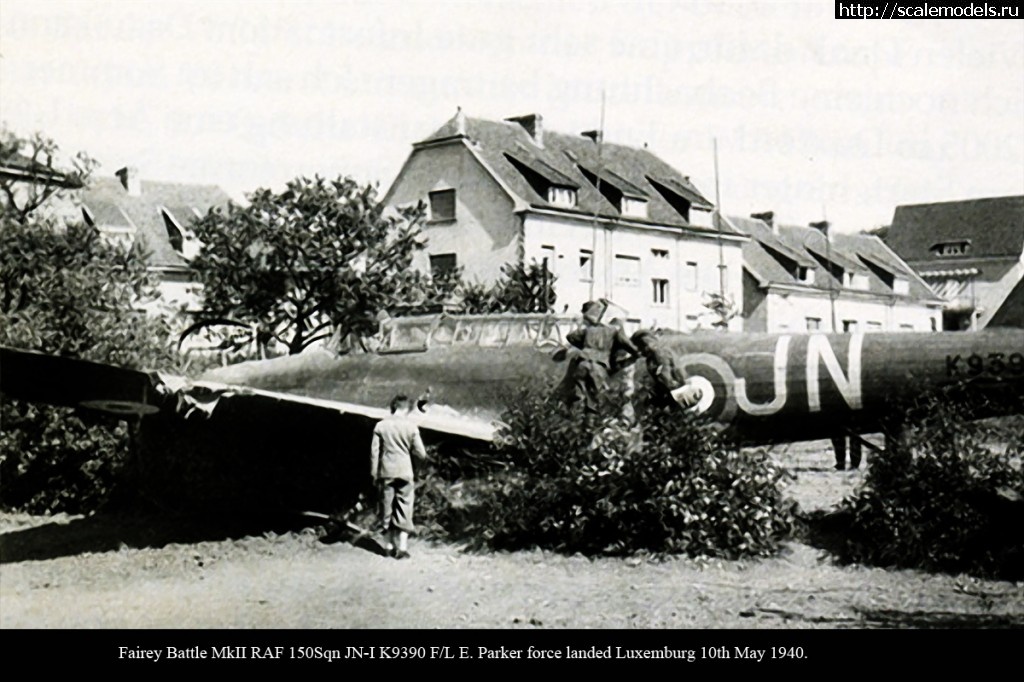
37	377
40	378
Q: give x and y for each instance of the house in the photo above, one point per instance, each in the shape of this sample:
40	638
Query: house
803	279
609	220
970	252
157	215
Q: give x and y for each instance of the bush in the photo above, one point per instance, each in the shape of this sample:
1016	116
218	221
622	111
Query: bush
952	502
52	461
65	291
603	485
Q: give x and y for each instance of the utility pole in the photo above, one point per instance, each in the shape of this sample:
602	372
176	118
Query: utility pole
824	227
718	223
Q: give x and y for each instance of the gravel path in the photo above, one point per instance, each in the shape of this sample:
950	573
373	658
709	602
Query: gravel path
293	580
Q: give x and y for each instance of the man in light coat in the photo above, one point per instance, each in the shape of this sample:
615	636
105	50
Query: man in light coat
395	440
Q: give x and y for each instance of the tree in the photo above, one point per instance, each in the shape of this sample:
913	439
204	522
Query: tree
520	289
64	290
721	308
29	176
323	257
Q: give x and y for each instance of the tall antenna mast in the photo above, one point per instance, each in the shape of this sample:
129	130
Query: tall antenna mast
828	257
598	138
718	223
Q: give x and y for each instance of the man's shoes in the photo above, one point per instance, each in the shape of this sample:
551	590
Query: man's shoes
401	554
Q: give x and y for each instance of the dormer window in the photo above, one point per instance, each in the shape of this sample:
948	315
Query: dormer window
630	200
804	274
633	208
550	184
952	249
562	196
179	234
679	195
855	280
901	286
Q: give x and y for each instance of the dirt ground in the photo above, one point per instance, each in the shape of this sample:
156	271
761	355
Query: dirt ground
62	572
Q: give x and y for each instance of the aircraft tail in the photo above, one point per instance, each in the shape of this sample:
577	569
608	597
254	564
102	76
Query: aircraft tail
1011	312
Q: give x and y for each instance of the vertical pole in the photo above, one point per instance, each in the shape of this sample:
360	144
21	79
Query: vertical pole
828	257
545	290
718	223
608	258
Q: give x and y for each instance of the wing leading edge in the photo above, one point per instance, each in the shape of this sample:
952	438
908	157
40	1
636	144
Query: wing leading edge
40	378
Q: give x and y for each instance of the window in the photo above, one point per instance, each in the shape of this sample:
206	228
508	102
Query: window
660	293
690	276
804	274
850	326
547	257
562	196
627	271
586	265
813	324
442	205
935	324
948	249
873	326
906	327
442	264
634	208
660	253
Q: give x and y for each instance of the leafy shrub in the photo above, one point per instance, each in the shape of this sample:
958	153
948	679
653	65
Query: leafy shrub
522	288
952	502
66	291
600	484
52	461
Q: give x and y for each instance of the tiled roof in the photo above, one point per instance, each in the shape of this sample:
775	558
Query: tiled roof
765	256
110	204
993	226
504	145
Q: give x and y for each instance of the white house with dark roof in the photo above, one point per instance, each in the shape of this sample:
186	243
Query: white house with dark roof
158	216
970	252
611	221
801	279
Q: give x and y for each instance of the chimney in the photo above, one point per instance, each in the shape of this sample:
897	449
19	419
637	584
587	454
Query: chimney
766	216
129	177
595	135
533	124
821	225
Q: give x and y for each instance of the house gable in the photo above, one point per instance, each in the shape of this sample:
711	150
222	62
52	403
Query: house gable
484	229
610	180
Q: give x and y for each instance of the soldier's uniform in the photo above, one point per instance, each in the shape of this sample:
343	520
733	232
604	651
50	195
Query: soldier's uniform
669	378
599	345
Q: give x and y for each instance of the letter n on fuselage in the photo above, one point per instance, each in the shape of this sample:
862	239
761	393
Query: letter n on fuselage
849	385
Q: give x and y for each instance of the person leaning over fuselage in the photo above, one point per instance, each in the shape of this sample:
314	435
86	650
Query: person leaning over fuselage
670	380
598	346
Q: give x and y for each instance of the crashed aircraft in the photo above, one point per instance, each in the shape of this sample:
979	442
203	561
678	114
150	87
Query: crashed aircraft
258	423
